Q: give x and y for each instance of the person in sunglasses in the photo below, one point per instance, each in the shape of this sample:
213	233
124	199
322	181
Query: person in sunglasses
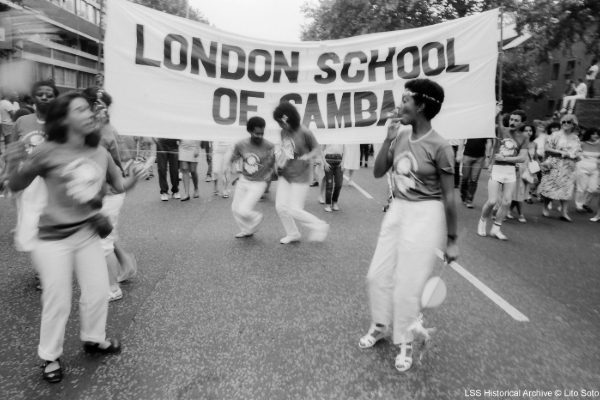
563	149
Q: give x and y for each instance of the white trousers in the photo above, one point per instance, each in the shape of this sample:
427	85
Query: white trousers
289	203
587	179
247	194
404	258
56	260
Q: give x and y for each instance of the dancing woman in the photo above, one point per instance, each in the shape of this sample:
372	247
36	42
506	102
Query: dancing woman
420	219
299	149
75	170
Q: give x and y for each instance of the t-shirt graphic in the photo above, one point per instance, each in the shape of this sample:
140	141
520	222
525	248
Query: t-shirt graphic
251	163
405	166
288	148
508	148
84	179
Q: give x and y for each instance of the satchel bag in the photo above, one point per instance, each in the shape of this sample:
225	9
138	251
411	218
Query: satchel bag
533	167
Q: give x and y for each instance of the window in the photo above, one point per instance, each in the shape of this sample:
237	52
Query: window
570	71
43	72
555	71
65	77
85	80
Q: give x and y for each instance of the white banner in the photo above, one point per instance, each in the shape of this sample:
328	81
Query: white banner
176	78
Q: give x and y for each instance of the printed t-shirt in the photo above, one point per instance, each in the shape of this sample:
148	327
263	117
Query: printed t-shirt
257	161
74	180
294	146
30	131
509	146
475	147
419	164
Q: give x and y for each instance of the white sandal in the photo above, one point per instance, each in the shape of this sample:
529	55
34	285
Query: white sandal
404	360
375	334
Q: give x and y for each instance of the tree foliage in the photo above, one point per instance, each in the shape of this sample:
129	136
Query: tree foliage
559	24
336	19
175	7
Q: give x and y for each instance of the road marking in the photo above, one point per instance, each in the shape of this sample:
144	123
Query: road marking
361	190
500	302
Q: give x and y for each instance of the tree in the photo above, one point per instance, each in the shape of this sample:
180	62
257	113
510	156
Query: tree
559	24
175	7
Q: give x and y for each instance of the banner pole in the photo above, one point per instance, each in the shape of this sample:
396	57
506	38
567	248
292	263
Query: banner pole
501	54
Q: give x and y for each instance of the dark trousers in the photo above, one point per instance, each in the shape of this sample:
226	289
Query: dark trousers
471	168
591	92
207	146
169	160
364	153
333	178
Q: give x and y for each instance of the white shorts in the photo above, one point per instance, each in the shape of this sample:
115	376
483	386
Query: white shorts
504	173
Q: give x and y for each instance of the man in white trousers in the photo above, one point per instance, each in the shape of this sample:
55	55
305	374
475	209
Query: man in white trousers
254	158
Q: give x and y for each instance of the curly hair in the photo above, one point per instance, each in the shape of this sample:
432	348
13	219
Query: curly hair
286	112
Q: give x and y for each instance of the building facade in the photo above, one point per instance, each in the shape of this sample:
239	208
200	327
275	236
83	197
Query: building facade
58	39
565	65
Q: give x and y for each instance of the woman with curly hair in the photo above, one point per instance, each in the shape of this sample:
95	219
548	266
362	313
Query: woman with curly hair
75	170
299	149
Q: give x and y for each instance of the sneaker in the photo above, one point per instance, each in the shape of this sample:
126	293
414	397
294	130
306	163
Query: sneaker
208	178
481	227
314	184
176	195
595	219
497	233
243	235
327	208
335	207
509	215
522	219
114	295
469	204
164	197
319	233
321	200
290	239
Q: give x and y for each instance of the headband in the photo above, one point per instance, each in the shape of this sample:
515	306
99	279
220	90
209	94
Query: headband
427	97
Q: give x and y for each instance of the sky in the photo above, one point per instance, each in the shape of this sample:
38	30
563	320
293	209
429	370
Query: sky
279	20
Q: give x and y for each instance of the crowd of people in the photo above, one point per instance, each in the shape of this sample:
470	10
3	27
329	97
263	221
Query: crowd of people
69	170
549	161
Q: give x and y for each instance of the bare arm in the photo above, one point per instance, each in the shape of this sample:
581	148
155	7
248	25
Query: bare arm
449	200
383	161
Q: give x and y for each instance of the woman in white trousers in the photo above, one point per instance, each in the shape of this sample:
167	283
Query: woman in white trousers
75	170
299	149
421	215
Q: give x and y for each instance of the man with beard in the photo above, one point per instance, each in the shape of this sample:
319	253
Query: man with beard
510	149
29	129
254	158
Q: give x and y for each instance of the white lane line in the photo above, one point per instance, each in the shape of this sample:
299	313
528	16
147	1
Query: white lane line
500	302
361	190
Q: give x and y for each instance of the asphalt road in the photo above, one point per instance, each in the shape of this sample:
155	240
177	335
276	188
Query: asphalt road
213	317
